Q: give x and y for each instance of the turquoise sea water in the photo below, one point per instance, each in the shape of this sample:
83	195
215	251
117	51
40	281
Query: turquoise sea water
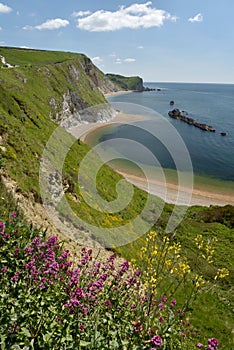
211	154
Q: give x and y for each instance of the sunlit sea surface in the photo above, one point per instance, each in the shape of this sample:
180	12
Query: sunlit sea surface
212	155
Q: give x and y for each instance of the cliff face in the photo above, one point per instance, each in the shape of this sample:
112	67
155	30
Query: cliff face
38	91
55	86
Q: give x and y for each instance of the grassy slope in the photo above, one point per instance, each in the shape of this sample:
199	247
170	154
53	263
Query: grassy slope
25	140
126	83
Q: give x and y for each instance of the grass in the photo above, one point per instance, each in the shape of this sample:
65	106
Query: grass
126	83
25	127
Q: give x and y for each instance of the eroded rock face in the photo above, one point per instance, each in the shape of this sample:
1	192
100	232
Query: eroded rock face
73	111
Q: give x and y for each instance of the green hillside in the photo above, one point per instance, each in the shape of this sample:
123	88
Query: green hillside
32	99
127	83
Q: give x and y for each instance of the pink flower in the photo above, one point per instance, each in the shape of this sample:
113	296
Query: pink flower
17	251
199	345
173	302
85	311
156	340
212	344
4	270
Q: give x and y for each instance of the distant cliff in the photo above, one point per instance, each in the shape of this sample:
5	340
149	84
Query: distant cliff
127	83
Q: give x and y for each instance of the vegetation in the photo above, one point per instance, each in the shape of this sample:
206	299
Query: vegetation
27	120
50	302
126	83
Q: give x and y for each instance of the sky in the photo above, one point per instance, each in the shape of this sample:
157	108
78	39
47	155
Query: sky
159	40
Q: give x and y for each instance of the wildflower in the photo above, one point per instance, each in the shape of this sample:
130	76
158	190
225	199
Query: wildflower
156	340
222	273
85	311
4	270
36	241
15	278
173	302
199	241
16	251
14	214
212	344
52	240
199	345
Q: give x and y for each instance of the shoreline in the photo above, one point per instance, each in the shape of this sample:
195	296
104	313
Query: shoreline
199	195
121	118
120	92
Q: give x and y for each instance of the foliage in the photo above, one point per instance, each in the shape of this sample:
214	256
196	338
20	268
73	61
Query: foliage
126	83
51	303
25	126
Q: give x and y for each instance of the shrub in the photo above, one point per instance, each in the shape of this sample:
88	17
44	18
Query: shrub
48	302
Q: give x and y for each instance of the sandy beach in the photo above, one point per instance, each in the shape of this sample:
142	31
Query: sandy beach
121	118
121	92
199	196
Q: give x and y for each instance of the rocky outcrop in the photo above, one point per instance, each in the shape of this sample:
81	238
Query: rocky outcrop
177	114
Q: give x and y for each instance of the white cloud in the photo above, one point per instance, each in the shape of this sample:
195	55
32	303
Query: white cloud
140	47
4	8
81	13
97	60
27	27
133	17
118	61
129	60
113	54
52	24
0	28
197	18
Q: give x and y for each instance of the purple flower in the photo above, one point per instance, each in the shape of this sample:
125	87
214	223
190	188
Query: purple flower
52	240
85	311
14	215
199	345
173	302
137	273
156	340
161	306
15	278
17	251
36	241
212	344
4	269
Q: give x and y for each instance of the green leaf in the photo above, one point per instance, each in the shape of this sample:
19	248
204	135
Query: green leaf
26	332
84	343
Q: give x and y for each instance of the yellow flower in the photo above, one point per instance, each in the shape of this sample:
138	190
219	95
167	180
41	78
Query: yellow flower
222	273
199	241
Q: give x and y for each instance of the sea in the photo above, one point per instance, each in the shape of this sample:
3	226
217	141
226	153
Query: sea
171	141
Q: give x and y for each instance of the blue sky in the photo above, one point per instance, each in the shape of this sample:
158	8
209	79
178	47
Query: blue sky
160	40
